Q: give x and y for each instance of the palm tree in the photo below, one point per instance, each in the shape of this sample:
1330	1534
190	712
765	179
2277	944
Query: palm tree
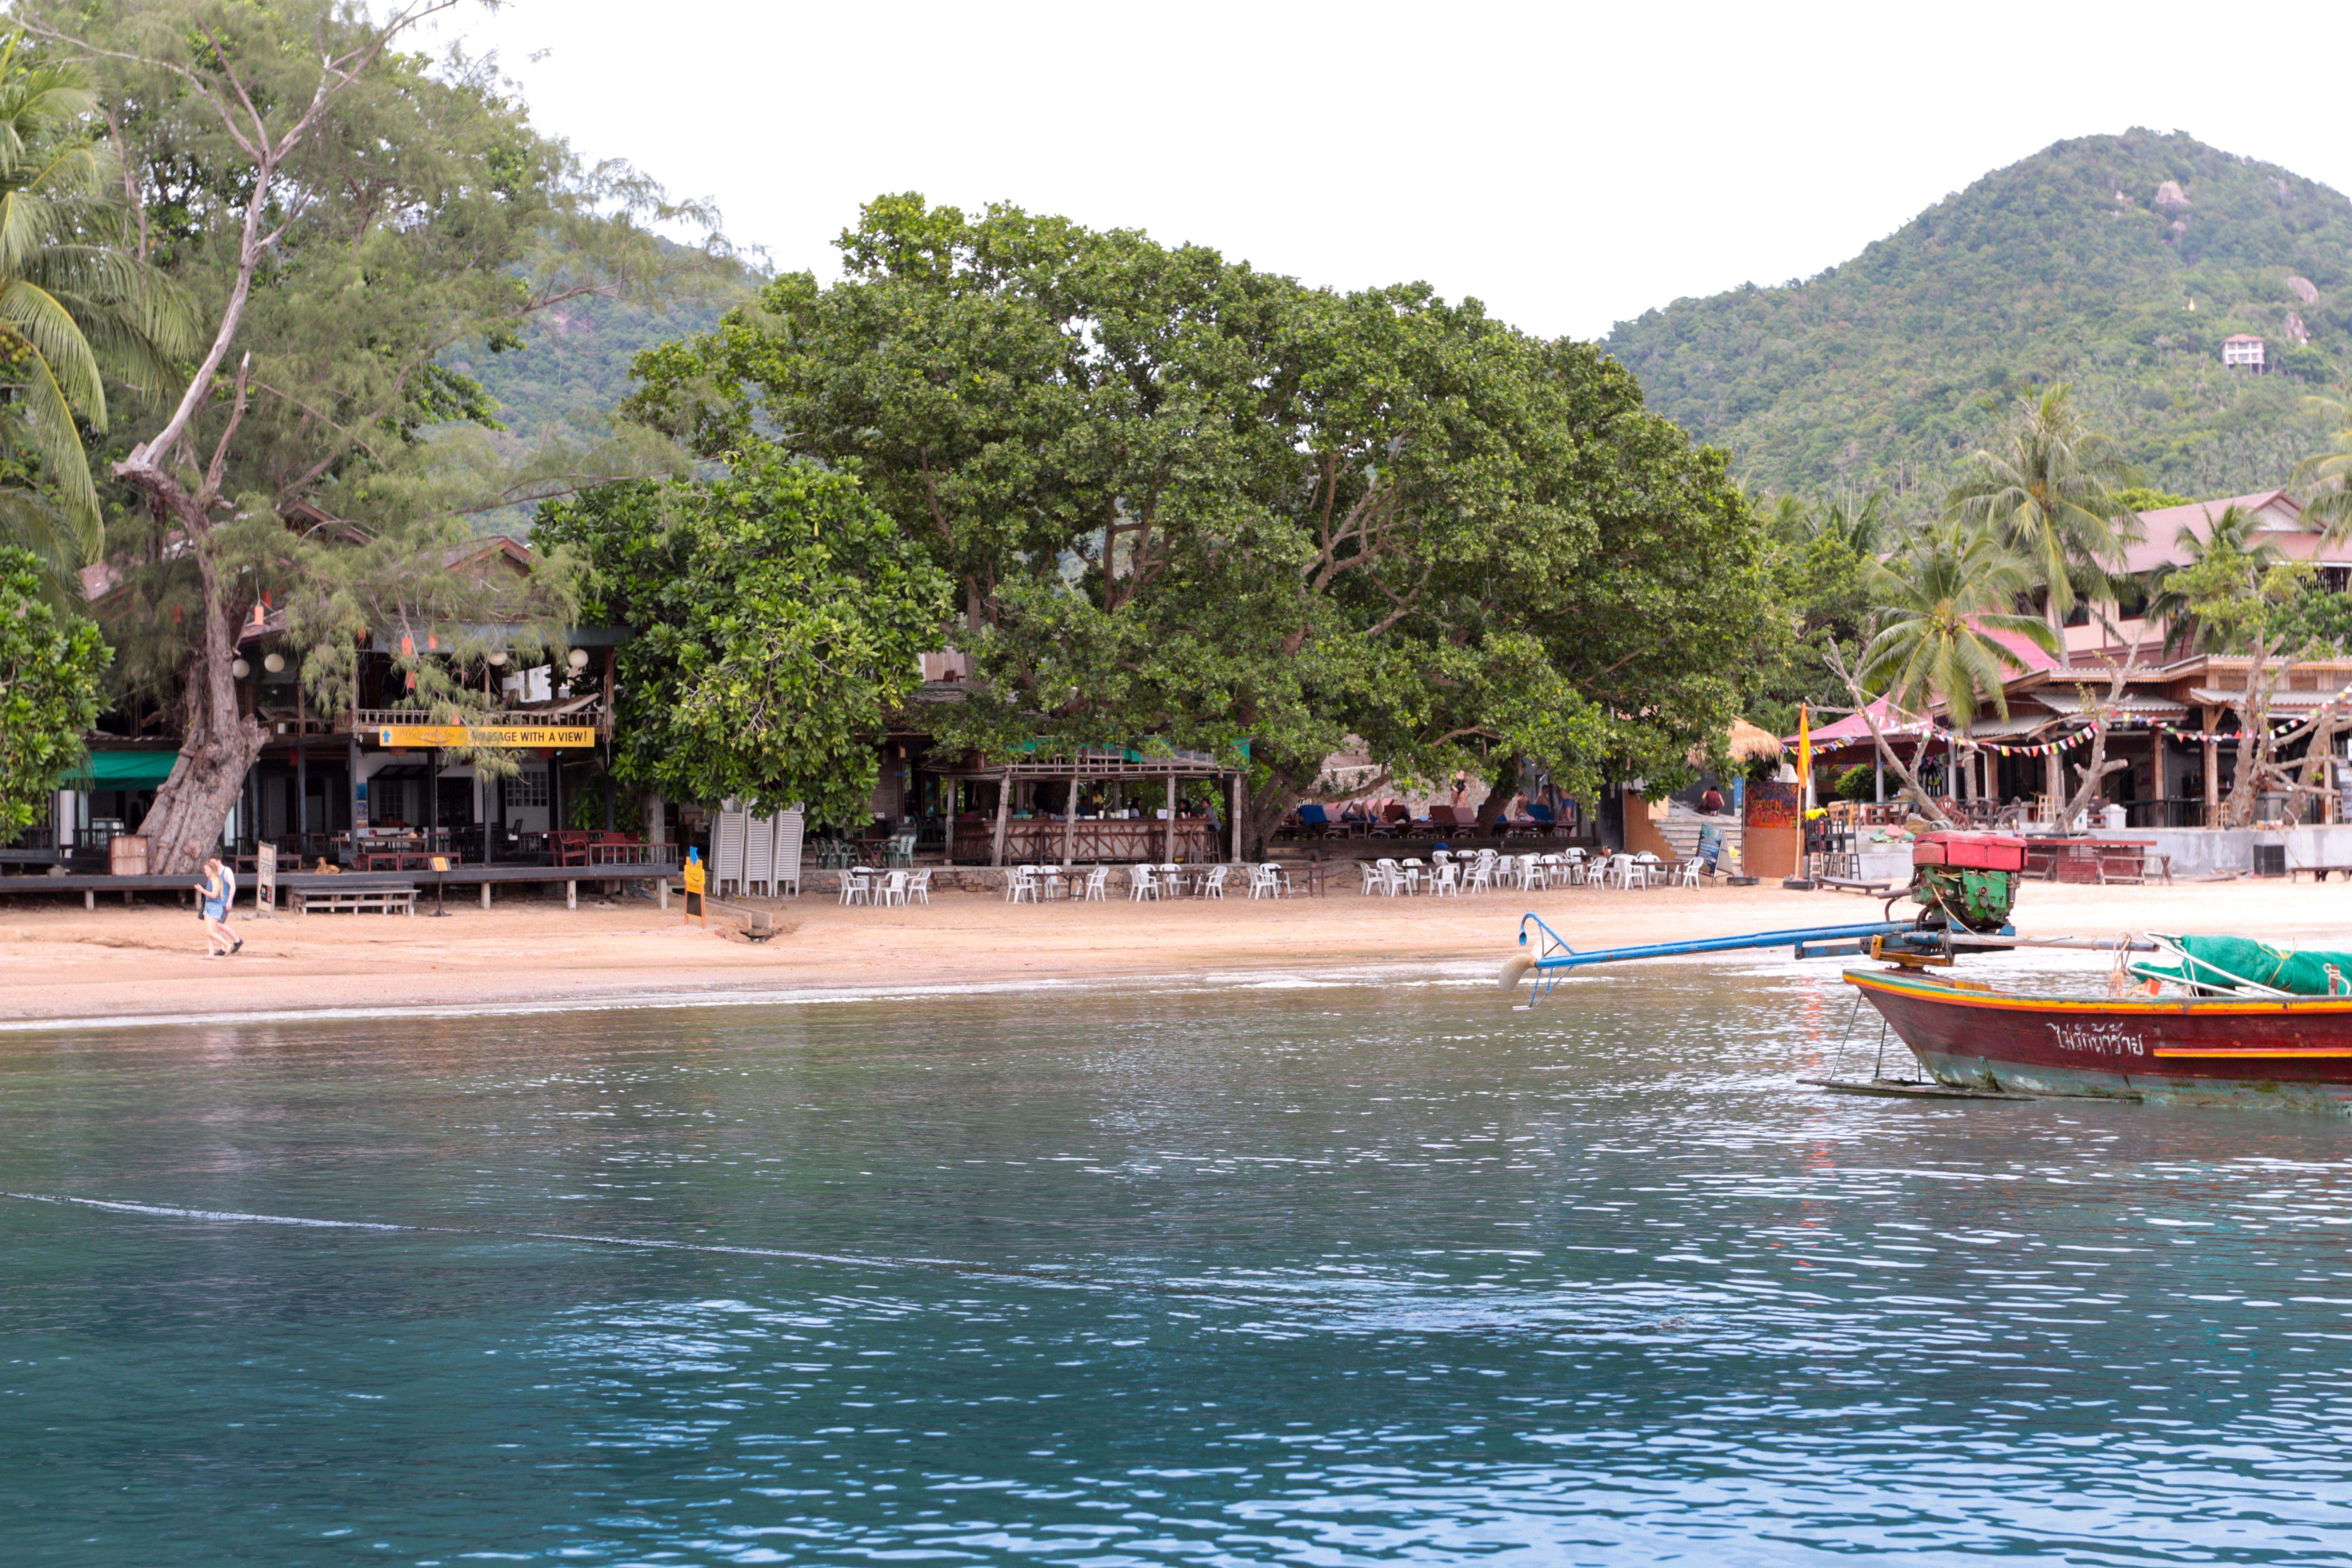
2328	474
2046	488
1935	606
2231	534
76	307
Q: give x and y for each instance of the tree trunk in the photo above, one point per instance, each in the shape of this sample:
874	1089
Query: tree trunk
1264	806
1497	797
185	824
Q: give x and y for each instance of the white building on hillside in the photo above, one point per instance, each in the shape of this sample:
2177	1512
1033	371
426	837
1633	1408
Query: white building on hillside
2242	351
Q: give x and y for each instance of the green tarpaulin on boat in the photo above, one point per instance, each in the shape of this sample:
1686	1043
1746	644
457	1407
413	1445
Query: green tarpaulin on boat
2230	962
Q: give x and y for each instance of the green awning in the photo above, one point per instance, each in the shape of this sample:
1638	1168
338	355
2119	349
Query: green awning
121	770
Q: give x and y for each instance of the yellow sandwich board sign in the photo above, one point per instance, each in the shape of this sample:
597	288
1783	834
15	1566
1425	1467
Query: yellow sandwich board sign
484	735
696	901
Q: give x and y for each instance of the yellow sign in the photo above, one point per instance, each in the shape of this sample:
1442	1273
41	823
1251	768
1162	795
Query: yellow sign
484	735
694	892
694	876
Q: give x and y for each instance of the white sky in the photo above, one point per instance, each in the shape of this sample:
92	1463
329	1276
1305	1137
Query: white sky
1569	164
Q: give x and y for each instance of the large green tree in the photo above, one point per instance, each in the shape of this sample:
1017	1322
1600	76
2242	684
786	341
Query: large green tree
344	214
779	614
50	666
1188	504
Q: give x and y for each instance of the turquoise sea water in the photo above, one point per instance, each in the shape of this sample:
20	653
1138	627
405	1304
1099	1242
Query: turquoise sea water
1216	1273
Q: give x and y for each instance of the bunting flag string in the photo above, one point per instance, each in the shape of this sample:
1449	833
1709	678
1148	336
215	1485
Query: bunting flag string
1927	730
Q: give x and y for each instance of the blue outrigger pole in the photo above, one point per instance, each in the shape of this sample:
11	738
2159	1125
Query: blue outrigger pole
1556	958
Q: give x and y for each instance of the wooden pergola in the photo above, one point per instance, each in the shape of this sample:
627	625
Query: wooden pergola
1122	840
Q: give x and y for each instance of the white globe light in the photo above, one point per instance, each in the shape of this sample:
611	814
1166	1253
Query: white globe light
275	664
240	669
579	660
498	660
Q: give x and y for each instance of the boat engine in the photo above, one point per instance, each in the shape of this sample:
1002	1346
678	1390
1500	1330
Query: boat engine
1966	881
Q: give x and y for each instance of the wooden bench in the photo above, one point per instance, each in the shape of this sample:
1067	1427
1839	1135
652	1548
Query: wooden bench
2319	873
400	899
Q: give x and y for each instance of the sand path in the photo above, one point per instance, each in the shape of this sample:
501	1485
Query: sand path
60	962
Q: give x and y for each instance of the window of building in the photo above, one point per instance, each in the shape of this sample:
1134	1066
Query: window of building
527	788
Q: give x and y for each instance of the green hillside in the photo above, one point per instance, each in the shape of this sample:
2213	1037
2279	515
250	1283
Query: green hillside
574	368
2116	263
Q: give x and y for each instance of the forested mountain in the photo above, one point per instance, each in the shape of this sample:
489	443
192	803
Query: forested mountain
2116	263
574	368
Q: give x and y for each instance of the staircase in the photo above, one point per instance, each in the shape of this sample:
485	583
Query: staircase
1682	832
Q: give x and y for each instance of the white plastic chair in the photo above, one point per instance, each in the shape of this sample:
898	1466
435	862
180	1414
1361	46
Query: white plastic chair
893	890
1480	877
1372	877
858	885
1141	883
1686	874
1531	875
1095	881
918	885
1445	882
1022	884
1212	886
1392	877
1172	879
1412	871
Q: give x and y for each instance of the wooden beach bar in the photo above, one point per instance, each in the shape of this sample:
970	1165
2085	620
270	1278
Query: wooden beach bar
1014	835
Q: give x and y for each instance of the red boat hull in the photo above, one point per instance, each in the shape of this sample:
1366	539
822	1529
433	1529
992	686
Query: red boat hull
2225	1050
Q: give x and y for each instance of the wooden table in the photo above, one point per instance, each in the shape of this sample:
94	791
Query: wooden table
402	859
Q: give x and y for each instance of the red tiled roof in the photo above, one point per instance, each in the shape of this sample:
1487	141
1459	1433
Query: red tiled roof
2161	530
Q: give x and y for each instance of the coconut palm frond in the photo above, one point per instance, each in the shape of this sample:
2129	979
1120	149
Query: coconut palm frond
74	309
2046	488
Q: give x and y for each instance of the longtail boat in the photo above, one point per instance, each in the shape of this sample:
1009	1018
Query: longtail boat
2193	1019
2207	1050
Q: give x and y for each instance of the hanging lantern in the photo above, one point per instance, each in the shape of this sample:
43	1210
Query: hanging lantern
240	669
275	664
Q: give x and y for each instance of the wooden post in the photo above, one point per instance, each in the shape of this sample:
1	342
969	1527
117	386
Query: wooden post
485	895
2212	774
1233	819
1003	814
352	783
301	771
1070	821
1167	839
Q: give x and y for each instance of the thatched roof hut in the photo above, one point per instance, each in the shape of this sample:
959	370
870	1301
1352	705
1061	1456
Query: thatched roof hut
1750	744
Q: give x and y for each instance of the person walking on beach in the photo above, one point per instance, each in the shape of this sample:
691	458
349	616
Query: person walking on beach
215	892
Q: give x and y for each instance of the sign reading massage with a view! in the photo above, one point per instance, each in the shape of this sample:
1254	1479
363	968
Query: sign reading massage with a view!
484	735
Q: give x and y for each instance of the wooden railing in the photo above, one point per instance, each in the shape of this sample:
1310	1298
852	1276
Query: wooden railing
596	718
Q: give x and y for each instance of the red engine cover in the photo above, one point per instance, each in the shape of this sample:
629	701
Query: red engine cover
1978	851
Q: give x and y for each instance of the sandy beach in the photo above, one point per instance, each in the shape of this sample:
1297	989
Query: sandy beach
60	962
